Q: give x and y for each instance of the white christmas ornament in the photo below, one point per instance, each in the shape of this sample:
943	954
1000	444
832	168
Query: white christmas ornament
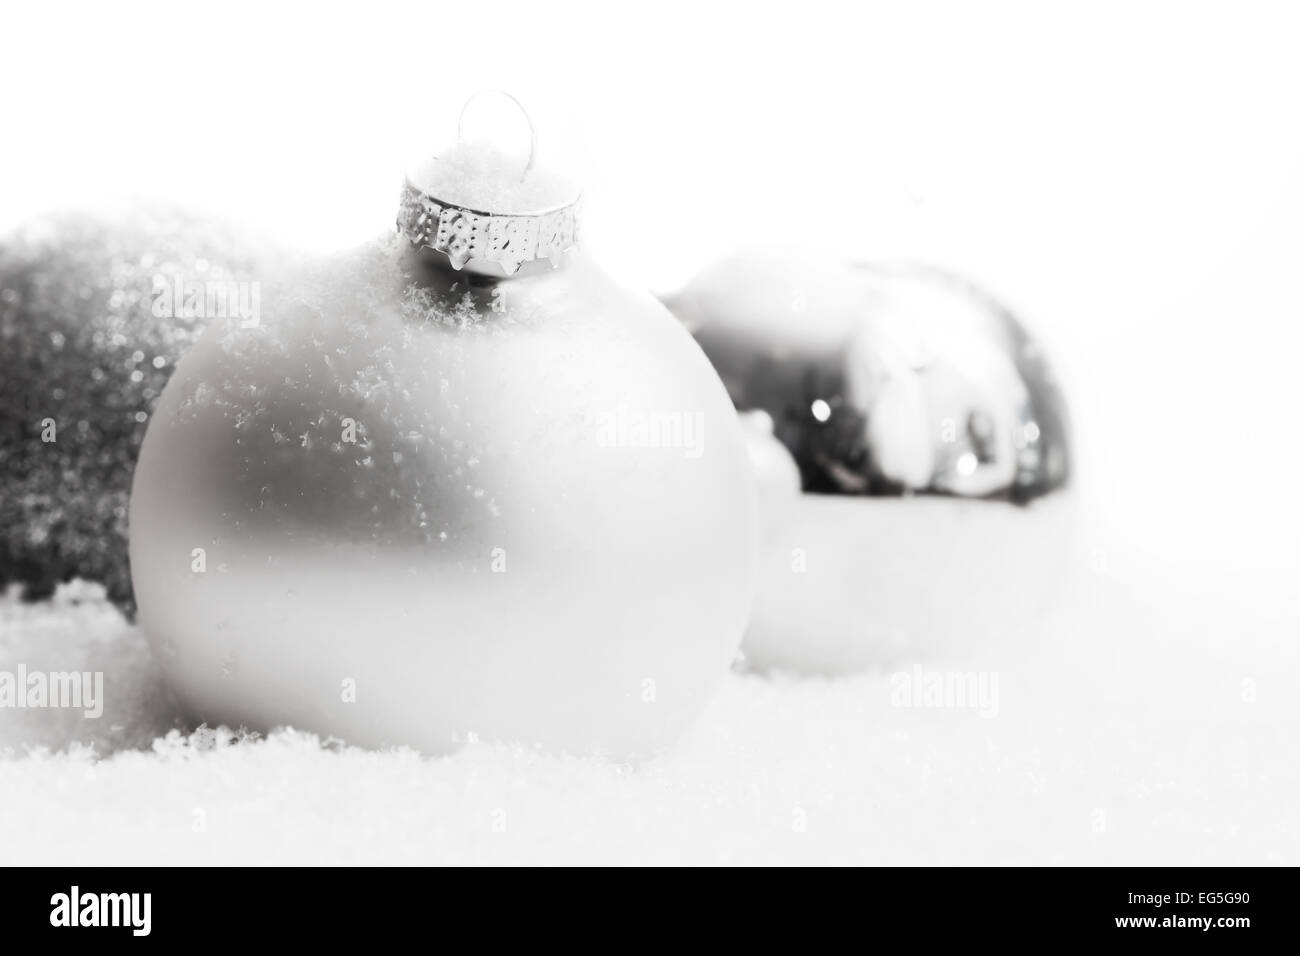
412	504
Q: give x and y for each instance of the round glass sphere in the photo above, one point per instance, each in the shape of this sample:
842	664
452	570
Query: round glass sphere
408	505
912	449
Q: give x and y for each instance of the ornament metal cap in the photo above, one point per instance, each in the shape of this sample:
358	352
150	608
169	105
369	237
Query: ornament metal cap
429	215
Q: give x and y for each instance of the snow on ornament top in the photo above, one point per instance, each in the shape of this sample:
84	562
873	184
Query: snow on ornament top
475	204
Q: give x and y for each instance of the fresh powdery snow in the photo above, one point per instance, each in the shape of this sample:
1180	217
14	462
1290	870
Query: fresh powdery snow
1149	718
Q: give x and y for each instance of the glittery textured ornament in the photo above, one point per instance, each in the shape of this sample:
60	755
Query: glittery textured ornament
84	355
912	449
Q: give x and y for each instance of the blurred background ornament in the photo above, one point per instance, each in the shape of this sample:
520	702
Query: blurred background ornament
85	349
931	446
456	482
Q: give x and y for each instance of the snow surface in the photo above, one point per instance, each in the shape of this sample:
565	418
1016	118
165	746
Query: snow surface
1150	718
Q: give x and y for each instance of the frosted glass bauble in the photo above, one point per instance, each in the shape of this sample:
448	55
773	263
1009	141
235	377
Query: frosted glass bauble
409	505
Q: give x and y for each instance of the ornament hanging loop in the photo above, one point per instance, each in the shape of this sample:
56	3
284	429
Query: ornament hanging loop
488	220
532	130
